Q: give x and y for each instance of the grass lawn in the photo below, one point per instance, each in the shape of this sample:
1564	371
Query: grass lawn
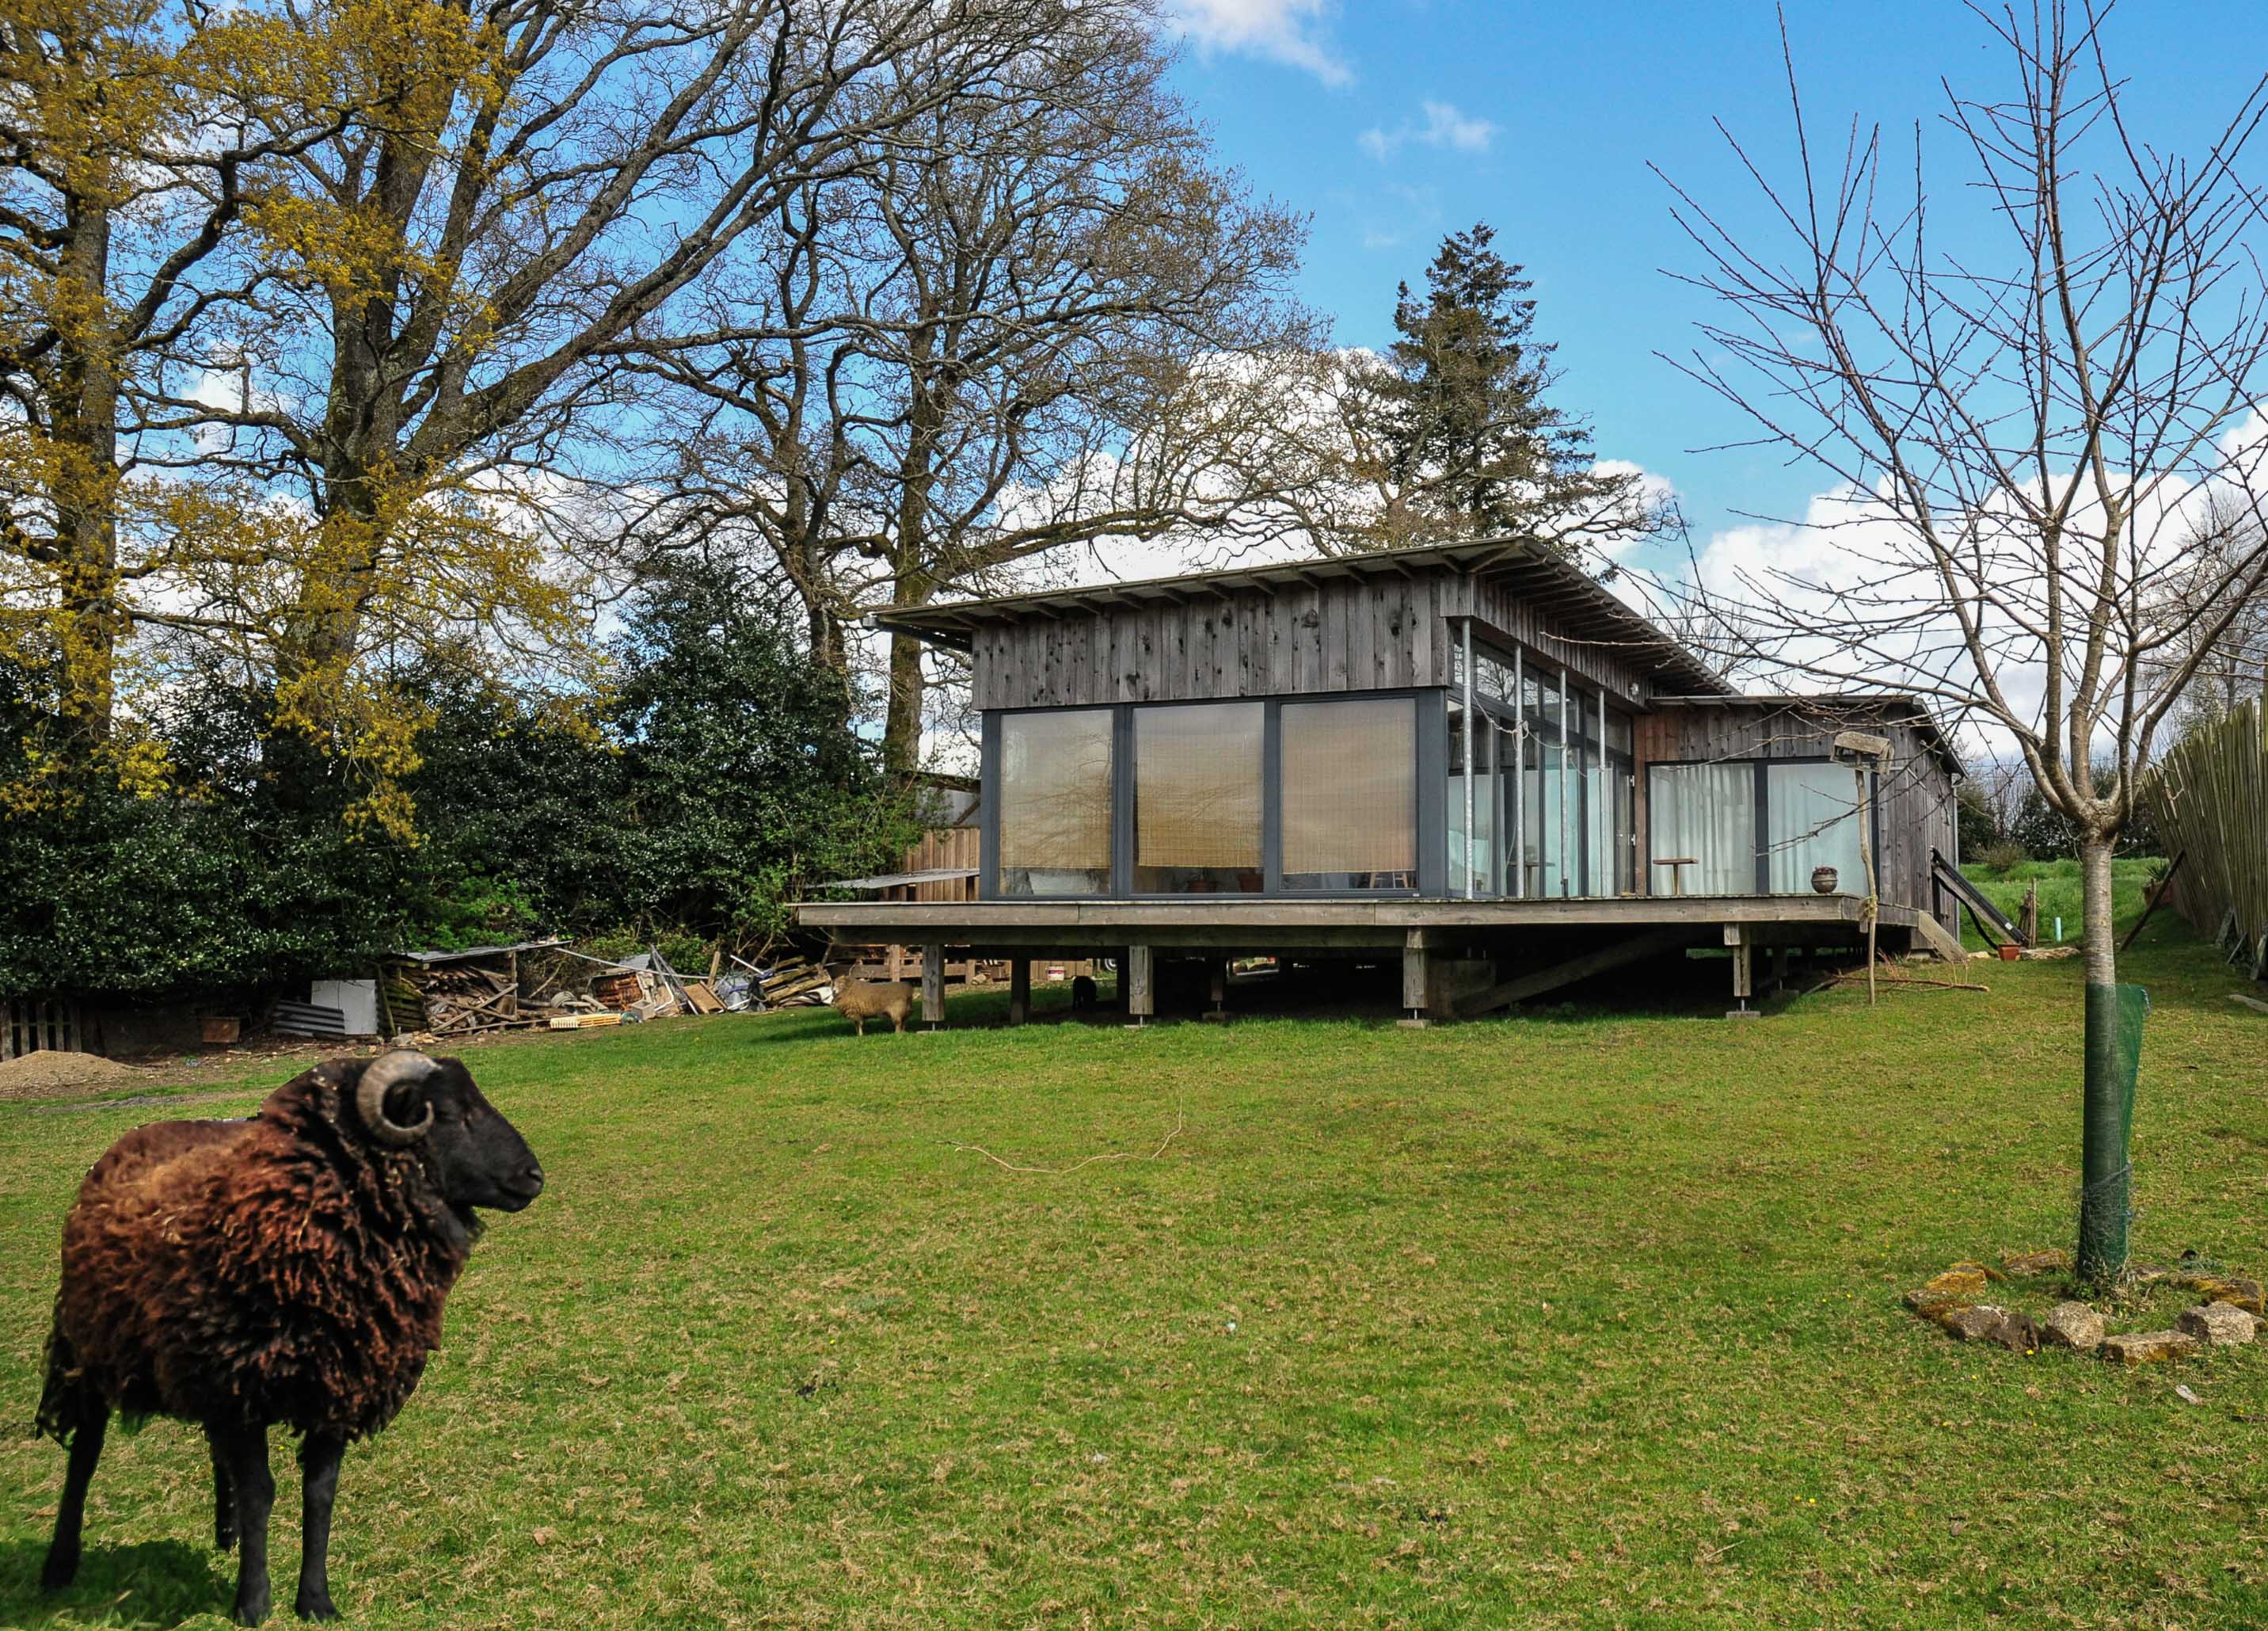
1577	1319
2060	893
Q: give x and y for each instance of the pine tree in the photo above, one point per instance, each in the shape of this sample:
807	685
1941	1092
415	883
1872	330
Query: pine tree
1467	444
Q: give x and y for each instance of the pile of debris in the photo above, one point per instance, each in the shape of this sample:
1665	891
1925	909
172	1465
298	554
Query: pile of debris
538	983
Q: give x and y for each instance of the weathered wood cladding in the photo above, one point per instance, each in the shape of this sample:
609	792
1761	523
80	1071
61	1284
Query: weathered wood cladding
1622	671
1354	634
1916	796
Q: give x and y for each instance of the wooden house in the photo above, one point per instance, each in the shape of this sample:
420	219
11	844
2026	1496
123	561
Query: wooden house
1472	755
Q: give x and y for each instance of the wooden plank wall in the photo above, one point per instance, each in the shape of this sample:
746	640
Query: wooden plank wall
941	847
1372	633
1916	796
30	1026
1597	664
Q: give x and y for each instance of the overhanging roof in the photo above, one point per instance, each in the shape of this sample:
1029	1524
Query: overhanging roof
1910	709
1582	608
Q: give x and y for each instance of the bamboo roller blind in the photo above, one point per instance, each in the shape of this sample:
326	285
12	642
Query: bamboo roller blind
1055	789
1197	786
1350	785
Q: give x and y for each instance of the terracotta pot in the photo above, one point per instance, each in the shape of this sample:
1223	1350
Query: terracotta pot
220	1030
1823	880
2009	954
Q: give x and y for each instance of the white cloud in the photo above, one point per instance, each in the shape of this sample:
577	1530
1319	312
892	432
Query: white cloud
1284	31
1443	126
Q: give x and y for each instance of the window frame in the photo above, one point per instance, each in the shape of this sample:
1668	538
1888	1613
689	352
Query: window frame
1430	763
1762	837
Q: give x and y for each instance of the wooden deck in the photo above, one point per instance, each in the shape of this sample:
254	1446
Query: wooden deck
1458	957
1201	922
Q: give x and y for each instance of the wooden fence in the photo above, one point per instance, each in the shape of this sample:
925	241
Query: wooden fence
2209	797
29	1027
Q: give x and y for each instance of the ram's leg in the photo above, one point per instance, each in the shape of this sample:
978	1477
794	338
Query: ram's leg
86	1450
319	1470
245	1450
223	1495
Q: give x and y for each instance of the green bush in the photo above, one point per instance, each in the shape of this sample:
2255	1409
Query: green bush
2002	854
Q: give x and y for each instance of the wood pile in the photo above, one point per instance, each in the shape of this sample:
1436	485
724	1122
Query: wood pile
794	983
460	999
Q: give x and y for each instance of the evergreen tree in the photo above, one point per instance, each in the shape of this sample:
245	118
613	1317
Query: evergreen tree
1467	445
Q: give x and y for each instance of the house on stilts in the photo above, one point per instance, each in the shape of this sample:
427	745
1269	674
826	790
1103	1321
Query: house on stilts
1473	757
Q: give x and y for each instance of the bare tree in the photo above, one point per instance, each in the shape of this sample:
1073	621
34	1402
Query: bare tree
2229	668
2023	440
1036	322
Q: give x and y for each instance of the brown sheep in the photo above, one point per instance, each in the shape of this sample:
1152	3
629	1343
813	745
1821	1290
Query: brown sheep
286	1270
859	1000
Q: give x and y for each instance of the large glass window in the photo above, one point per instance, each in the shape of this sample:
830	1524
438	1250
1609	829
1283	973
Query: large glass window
1541	842
1812	816
1055	802
1701	826
1472	856
1196	798
1350	794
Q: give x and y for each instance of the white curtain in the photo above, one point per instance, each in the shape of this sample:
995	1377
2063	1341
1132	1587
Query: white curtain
1708	814
1813	816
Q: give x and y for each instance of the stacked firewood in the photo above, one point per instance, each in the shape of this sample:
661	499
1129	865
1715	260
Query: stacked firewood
793	982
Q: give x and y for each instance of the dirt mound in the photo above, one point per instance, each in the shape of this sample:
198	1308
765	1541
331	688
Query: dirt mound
53	1071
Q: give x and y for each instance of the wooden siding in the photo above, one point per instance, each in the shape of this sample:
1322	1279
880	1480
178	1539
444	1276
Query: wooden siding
1494	605
1917	795
1375	633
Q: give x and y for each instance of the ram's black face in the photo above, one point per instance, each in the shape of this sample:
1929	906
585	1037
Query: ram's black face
479	1156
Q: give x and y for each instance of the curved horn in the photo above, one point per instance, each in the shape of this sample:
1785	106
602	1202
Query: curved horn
382	1074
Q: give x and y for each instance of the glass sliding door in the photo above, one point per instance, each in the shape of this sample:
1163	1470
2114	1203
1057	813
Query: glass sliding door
1543	844
1812	820
1473	854
1196	798
1622	791
1702	818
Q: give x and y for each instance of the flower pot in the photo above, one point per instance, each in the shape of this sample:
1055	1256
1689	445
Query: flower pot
219	1029
1823	880
2009	954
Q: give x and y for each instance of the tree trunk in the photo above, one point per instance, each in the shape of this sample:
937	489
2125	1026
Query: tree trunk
2105	1178
902	729
84	482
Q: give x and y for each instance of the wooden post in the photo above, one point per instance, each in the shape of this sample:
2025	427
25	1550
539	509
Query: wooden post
1873	888
1413	955
934	984
1219	989
1736	936
1139	998
1020	991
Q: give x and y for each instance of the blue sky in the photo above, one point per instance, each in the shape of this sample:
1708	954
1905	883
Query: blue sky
1392	123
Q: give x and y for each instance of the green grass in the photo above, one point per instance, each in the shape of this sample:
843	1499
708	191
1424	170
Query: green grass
2060	893
1586	1320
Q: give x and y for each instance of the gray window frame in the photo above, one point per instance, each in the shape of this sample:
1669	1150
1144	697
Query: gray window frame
1763	801
1430	749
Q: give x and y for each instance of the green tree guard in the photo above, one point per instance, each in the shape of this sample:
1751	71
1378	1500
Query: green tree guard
2114	1056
